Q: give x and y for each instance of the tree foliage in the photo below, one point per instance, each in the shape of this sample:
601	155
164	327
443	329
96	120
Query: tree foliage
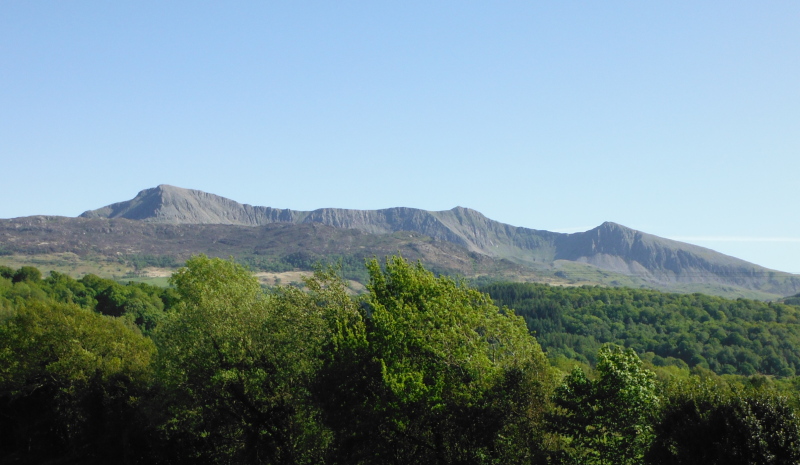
419	370
238	362
27	273
727	336
706	422
608	420
424	371
69	382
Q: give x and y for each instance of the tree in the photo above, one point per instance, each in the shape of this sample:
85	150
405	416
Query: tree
427	374
63	288
70	381
608	420
237	363
6	272
706	422
27	273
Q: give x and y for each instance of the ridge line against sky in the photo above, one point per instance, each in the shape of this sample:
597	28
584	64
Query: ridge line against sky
678	119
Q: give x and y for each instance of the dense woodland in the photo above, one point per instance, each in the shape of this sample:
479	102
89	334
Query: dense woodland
419	370
685	330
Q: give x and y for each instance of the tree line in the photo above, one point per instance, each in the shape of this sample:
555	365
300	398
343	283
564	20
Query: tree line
421	369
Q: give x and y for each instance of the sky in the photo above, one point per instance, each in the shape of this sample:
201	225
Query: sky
677	118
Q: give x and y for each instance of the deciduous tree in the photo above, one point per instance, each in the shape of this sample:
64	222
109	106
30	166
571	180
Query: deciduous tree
429	375
70	381
608	420
237	363
707	422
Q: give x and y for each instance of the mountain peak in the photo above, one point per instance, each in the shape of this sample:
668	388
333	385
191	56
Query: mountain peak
464	212
174	205
145	205
612	226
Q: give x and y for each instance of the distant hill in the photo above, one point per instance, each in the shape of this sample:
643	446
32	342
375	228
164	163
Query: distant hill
460	240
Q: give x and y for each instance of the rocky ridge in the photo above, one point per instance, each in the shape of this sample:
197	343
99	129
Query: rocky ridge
610	246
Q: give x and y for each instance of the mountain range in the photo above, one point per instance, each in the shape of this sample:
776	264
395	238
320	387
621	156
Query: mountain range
460	240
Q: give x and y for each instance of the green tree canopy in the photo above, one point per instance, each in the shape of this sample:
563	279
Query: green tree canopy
727	336
608	420
6	272
708	422
69	380
237	363
27	273
426	379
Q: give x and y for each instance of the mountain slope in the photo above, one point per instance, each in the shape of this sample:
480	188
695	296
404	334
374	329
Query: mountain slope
39	240
609	247
643	251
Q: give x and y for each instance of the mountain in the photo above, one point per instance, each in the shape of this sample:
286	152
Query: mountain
174	205
603	254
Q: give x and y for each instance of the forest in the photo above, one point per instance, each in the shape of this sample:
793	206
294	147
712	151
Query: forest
741	336
420	369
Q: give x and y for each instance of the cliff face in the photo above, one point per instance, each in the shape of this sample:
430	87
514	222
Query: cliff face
174	205
614	247
610	246
462	226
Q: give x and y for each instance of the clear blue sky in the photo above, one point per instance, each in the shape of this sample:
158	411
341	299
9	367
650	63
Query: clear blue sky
681	119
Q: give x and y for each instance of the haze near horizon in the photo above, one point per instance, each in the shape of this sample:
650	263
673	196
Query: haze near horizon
676	119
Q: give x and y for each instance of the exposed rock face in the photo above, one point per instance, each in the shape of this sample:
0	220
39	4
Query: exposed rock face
614	247
174	205
462	226
610	246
